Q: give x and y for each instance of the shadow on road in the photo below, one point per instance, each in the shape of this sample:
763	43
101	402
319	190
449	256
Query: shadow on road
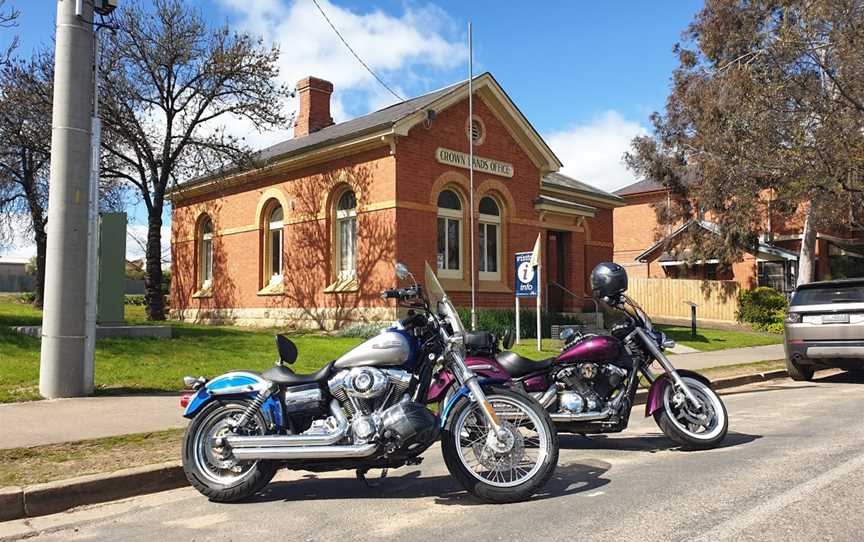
650	443
843	377
567	480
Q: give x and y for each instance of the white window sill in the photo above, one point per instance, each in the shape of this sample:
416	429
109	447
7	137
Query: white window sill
274	288
346	284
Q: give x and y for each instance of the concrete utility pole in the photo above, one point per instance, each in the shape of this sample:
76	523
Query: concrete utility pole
62	368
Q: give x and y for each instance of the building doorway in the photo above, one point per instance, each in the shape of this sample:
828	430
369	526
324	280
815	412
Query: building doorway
556	270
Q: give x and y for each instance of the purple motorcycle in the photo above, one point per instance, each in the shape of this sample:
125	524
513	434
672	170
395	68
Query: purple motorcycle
590	386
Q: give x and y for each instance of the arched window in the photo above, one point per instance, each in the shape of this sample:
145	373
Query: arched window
205	253
490	239
273	238
449	235
346	235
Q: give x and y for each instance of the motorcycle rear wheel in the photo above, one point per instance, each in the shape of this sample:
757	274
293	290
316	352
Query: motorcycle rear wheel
211	469
487	477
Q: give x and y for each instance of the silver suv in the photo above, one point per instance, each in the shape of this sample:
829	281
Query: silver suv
825	328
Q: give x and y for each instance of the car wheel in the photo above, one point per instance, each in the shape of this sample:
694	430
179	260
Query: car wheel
797	372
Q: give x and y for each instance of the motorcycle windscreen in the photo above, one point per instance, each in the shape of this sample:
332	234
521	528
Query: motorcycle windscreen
438	298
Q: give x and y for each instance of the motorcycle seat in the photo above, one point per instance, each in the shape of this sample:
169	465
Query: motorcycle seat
517	366
284	376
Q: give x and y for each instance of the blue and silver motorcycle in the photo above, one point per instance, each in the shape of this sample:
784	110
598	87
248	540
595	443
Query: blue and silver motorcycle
367	410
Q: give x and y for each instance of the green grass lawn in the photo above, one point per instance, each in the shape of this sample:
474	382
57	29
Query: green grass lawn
148	365
718	339
155	365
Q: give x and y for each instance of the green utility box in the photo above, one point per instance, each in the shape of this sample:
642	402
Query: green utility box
112	269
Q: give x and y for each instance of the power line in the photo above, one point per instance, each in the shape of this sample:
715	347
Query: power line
360	60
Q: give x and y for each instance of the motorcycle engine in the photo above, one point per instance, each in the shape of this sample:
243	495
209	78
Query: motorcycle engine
380	409
587	387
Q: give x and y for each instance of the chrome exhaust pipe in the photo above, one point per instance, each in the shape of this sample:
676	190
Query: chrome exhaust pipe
581	416
237	442
548	396
305	452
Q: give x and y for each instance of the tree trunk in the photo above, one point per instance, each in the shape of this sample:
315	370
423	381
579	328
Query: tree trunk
41	245
153	267
807	256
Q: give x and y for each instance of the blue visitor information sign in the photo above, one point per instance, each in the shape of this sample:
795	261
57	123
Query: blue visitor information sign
526	275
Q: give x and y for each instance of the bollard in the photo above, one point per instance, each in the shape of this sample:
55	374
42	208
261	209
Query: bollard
692	318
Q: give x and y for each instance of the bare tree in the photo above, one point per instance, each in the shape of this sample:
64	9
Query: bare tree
8	19
170	84
25	150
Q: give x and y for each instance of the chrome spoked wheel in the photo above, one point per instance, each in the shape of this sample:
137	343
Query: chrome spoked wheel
507	462
697	424
212	457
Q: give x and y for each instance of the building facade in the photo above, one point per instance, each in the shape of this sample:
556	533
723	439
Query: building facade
311	236
649	249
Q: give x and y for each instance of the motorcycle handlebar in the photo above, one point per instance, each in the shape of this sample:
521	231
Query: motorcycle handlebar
399	293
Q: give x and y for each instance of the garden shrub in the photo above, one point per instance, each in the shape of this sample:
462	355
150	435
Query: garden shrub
498	320
362	330
763	308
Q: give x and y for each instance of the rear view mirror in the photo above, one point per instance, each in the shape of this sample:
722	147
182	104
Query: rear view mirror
507	339
287	349
401	271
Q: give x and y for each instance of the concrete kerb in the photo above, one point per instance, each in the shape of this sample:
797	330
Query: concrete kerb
53	497
61	495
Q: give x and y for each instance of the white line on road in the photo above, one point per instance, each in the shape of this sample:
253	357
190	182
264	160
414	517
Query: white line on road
729	530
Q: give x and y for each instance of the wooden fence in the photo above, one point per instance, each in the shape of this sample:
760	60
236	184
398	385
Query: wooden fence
716	299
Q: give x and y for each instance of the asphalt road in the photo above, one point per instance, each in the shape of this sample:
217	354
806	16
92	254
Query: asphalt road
792	468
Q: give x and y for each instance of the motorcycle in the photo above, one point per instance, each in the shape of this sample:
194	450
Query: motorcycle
591	385
367	410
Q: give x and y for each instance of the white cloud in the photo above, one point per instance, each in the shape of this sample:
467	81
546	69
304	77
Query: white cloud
406	50
593	152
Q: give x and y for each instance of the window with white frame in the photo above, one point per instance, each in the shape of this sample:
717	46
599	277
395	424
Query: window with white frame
275	244
449	235
346	235
205	253
490	239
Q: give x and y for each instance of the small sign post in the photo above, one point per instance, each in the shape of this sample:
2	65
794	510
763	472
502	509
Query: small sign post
526	283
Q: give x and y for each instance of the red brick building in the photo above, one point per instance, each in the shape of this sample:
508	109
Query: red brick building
648	249
311	236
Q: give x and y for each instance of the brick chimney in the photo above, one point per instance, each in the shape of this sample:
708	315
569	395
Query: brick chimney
314	112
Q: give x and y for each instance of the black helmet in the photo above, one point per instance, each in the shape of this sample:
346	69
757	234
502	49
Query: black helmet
608	280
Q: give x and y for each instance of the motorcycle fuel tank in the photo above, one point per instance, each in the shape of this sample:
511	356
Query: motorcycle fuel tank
388	348
594	348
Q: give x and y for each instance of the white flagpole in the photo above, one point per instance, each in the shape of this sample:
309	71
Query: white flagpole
518	334
471	169
539	289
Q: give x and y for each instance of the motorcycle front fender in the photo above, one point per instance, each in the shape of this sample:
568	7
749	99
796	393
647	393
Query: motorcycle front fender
654	402
236	384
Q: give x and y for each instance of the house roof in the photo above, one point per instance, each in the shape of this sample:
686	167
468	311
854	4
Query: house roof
394	120
559	180
639	187
764	249
562	203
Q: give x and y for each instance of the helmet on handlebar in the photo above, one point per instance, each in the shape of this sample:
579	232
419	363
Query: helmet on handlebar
608	280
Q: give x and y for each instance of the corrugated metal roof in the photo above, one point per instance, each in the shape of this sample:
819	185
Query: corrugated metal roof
563	181
639	187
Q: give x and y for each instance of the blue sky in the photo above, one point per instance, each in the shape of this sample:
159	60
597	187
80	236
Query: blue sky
586	74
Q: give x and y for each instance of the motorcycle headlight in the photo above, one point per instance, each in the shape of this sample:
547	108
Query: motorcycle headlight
793	318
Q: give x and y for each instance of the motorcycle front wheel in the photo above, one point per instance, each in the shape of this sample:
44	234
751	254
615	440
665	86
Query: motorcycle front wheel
693	429
209	465
494	470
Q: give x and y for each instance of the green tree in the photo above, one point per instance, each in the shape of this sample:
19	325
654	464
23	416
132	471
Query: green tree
170	84
765	118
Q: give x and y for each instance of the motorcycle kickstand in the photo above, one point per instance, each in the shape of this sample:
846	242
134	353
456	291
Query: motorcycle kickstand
361	475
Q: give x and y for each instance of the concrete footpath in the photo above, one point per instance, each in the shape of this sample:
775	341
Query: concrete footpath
63	420
731	356
48	422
